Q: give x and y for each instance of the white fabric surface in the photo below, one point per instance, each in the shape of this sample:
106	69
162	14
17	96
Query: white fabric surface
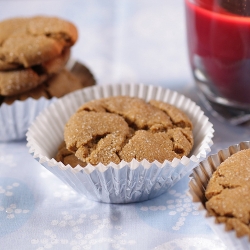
121	41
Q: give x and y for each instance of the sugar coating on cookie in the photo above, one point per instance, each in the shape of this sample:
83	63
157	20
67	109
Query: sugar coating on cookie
30	41
14	82
228	193
57	85
125	128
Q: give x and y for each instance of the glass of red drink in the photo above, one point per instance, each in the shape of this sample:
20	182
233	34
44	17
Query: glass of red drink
218	34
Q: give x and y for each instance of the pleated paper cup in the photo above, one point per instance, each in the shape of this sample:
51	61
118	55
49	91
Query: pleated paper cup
18	116
128	181
198	183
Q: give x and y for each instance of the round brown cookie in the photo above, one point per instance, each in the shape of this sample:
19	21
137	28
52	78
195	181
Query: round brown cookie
67	157
228	193
232	173
56	86
36	93
123	128
15	82
66	82
31	41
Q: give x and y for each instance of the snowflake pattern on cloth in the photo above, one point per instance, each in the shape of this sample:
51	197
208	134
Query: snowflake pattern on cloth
177	209
94	239
16	205
120	41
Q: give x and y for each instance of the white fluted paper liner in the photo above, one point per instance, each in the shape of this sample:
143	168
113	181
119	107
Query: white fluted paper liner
126	182
198	182
17	117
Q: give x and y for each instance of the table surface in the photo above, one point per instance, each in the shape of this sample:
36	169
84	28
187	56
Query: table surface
120	41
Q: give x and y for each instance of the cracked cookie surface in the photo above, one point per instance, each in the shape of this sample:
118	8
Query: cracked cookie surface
25	42
67	157
228	193
125	128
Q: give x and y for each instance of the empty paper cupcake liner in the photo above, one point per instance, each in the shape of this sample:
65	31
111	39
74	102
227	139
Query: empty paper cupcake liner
198	183
126	182
17	117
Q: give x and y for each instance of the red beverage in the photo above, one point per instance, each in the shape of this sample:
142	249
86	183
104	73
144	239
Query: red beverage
219	50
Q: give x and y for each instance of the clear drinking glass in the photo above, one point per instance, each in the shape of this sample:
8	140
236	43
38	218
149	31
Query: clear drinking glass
218	35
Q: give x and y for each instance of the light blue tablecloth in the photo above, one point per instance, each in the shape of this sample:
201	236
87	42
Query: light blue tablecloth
120	41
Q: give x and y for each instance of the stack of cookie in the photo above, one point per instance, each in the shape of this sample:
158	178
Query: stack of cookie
33	55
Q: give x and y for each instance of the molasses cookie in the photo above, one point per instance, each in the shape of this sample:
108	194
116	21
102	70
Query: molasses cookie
14	82
228	193
57	86
105	134
125	128
25	42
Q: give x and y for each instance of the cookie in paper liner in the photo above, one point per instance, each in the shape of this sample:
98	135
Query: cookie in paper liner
127	181
198	184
